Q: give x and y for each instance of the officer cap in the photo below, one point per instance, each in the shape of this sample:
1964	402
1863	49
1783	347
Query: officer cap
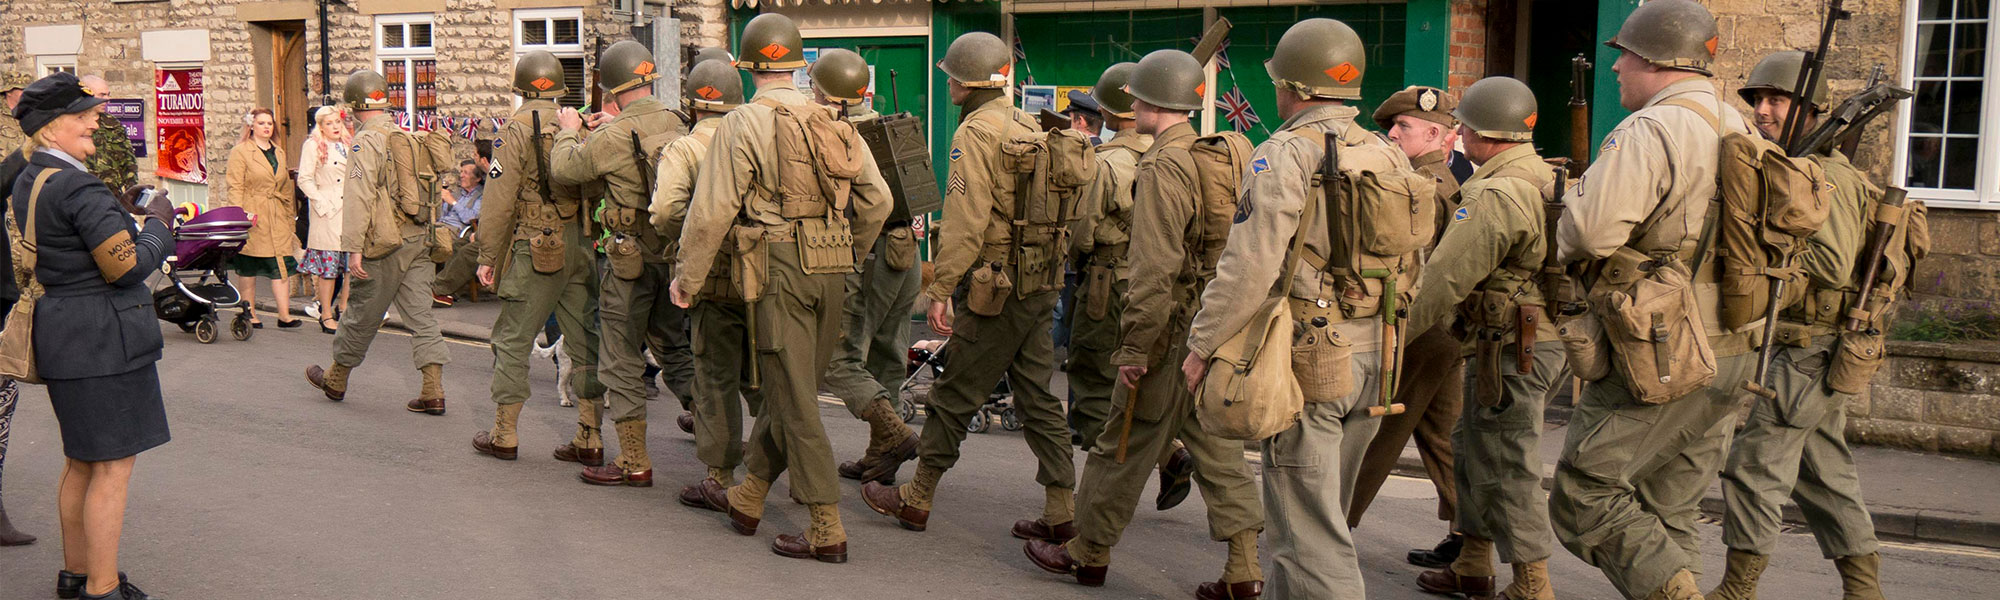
1081	101
366	90
1671	34
1319	58
713	86
1500	108
771	42
841	75
978	60
539	74
1110	90
1420	101
1779	72
626	65
51	97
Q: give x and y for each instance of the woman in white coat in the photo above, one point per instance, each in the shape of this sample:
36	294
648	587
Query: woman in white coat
322	166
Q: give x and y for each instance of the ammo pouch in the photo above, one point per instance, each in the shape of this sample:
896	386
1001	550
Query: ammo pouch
1653	323
625	255
1584	345
1322	362
753	259
442	241
1856	357
901	248
1097	291
825	246
545	240
987	289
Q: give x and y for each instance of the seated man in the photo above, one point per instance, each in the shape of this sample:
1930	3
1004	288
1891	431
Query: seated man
461	214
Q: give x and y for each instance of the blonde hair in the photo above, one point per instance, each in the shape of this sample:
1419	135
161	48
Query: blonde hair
38	142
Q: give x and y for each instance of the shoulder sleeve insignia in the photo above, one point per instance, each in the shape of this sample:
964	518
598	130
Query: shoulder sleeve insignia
1259	166
1242	210
956	185
957	154
498	142
1460	215
1610	143
356	148
494	173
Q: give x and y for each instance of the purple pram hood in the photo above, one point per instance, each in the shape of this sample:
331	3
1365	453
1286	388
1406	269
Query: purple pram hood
211	239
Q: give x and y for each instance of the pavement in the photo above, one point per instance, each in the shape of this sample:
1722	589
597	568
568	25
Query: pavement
270	491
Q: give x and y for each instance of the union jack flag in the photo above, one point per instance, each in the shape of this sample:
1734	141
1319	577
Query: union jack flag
468	127
1221	52
498	122
1237	109
403	120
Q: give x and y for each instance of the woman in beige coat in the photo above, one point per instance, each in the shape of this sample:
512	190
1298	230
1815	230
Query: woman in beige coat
322	169
260	183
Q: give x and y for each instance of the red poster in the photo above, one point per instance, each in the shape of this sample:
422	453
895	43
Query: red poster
178	116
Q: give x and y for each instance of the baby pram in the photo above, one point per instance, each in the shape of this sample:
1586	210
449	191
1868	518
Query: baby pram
926	362
197	291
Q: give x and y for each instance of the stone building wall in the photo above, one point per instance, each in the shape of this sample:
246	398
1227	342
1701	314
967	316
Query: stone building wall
1933	397
473	41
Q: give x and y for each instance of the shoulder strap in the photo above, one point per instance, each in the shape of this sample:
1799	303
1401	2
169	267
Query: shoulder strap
541	156
1714	217
28	229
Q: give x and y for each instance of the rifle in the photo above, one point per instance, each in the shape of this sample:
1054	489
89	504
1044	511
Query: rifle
1859	317
1579	121
1211	40
1849	145
896	100
1810	72
1844	124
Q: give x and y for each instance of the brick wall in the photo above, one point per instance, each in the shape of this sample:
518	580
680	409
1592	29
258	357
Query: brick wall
473	39
1468	44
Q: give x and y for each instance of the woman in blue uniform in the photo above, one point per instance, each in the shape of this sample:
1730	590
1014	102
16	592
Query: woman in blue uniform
96	340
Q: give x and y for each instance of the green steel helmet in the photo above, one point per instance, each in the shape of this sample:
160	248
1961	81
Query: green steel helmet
713	86
626	65
1671	34
539	75
366	90
1169	79
978	60
771	42
1110	90
841	75
712	53
1500	108
1779	72
1320	58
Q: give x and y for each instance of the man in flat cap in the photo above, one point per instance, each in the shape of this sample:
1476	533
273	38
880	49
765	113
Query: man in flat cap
1418	121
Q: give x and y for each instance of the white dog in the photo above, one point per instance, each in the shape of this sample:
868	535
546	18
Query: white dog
564	370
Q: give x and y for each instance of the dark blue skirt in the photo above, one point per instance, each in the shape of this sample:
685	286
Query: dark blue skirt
110	417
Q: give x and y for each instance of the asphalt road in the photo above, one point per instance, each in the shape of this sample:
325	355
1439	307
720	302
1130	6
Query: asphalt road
270	491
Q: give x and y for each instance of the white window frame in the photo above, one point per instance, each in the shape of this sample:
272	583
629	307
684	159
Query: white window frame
560	50
1985	192
46	64
383	56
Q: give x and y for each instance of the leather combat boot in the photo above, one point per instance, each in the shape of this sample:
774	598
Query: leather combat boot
909	503
1860	576
898	442
1681	587
1176	478
587	447
1472	574
1058	522
1739	576
1055	557
825	540
430	399
743	502
1439	556
501	442
1531	582
633	467
332	380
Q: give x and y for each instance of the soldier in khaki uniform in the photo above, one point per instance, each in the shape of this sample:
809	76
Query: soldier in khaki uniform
1017	342
721	381
1486	268
870	362
619	155
389	251
1629	483
1100	237
1418	120
796	237
536	249
1795	446
1167	218
1309	469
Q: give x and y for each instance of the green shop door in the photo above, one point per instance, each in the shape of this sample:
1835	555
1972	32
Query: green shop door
897	59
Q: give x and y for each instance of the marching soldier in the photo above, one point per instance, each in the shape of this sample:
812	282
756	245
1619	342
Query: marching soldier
1418	120
1486	266
711	90
389	248
537	251
1017	340
630	310
1167	219
801	242
869	364
1101	237
1795	446
1317	67
1671	443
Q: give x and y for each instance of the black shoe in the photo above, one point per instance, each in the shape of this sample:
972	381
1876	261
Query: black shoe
124	591
1437	557
292	324
70	585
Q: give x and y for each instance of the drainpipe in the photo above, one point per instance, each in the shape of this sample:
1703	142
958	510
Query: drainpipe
325	58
